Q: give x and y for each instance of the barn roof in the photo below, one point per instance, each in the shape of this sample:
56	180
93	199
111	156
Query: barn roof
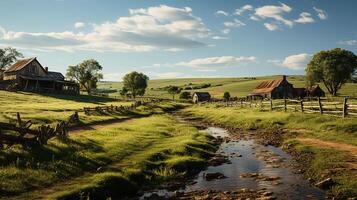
267	86
20	64
314	88
202	94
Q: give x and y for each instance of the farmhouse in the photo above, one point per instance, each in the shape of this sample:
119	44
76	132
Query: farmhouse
200	97
29	75
275	89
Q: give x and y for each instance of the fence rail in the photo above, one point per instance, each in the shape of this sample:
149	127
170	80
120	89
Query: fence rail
342	108
20	133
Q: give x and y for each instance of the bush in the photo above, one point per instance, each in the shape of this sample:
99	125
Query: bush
185	95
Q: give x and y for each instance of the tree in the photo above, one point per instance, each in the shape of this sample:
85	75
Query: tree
123	92
174	90
332	67
226	96
87	74
8	56
136	83
185	95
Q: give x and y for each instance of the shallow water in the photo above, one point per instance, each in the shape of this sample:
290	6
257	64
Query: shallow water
246	156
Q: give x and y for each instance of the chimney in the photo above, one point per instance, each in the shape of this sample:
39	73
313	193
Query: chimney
284	77
46	69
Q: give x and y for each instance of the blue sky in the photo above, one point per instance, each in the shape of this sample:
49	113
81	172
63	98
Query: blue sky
181	38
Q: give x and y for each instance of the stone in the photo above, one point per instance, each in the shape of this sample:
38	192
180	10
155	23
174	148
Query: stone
212	176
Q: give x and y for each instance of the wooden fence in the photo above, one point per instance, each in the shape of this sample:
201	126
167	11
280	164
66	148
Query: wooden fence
112	108
344	108
20	133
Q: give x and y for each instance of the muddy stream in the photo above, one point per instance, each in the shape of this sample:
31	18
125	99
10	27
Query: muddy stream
243	168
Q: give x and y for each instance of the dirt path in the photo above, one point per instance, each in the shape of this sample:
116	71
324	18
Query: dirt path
350	149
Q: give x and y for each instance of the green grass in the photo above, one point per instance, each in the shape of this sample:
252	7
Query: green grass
321	163
313	125
142	151
239	87
48	109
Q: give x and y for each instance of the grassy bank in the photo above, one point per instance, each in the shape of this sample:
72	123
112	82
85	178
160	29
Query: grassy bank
126	155
319	162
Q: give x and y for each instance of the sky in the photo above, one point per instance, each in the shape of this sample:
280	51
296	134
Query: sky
179	38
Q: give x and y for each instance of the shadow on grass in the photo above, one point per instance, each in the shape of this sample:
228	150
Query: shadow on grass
81	98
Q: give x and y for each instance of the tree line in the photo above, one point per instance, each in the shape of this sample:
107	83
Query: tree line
333	68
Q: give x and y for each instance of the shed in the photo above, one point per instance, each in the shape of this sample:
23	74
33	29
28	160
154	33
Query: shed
274	89
200	97
315	91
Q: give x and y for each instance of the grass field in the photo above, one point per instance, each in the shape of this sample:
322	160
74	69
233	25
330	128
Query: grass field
130	153
49	109
336	160
239	87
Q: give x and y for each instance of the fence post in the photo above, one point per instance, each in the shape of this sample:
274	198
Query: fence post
19	119
345	107
241	103
285	108
271	104
320	106
302	105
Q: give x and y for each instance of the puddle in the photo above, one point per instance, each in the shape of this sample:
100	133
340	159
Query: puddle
267	165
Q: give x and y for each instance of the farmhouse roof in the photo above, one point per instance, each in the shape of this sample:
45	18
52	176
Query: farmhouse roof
202	94
314	88
55	75
267	86
20	64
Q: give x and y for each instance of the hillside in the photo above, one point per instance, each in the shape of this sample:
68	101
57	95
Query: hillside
239	87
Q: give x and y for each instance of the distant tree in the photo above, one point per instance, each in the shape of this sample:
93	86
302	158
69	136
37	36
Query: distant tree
136	83
185	95
226	96
87	74
173	90
123	92
332	67
8	56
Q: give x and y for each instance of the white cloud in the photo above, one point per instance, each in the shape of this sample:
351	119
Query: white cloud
305	18
219	38
221	12
235	23
271	27
275	12
254	18
160	27
321	13
226	31
295	62
79	25
349	42
214	62
241	10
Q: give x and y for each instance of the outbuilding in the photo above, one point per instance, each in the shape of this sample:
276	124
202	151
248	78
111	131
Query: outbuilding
201	97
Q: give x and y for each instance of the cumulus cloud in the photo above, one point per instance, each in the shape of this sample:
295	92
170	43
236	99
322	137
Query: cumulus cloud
321	13
214	62
145	29
241	10
271	27
274	12
294	62
221	12
79	25
234	23
305	18
219	38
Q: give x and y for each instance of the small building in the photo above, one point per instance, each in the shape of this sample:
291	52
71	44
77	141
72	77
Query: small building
274	89
29	75
201	97
315	91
